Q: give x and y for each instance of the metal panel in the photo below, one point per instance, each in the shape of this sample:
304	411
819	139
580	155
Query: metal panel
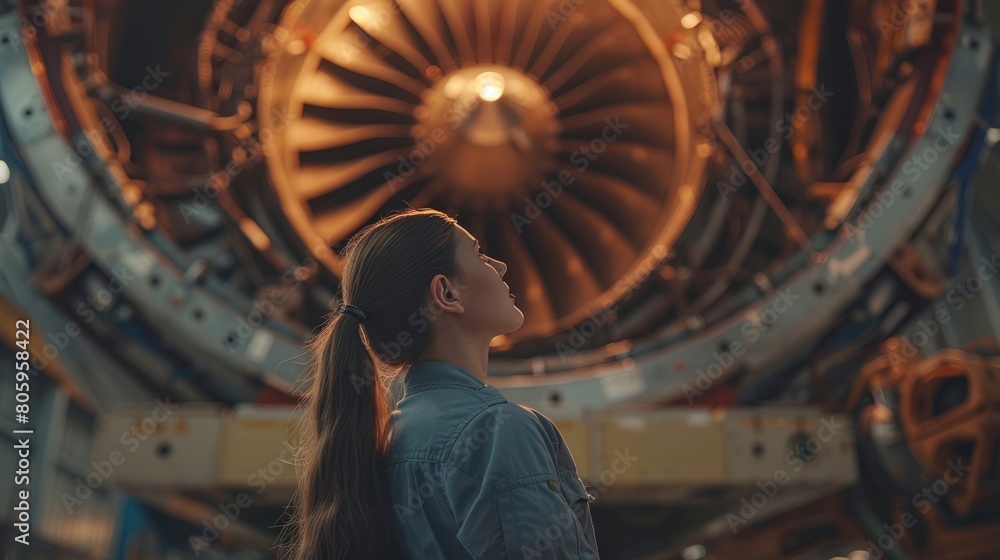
257	451
155	445
802	443
670	446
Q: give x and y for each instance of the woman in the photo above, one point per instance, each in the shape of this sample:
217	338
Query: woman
456	471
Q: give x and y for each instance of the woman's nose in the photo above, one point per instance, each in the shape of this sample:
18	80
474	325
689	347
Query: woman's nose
501	266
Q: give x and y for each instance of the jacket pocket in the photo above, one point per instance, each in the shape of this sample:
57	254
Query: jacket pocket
537	521
578	499
573	488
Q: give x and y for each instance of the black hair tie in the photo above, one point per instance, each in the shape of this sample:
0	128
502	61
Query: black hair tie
352	311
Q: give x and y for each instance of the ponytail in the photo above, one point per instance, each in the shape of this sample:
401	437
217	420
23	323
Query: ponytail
341	507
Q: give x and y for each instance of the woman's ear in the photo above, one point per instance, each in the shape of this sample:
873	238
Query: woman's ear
445	295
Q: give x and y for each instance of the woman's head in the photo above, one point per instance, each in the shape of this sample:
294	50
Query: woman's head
473	306
419	277
418	274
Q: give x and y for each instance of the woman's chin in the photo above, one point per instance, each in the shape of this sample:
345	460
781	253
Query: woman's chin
516	321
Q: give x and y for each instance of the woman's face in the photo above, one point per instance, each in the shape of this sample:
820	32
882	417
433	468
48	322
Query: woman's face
488	304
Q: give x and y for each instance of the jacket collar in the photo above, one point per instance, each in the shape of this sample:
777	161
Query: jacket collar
428	374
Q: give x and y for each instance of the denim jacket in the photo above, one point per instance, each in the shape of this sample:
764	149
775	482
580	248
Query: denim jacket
472	475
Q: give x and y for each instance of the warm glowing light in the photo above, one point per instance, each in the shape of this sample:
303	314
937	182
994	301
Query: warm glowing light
296	47
693	552
712	55
489	86
690	20
800	151
4	172
255	234
360	15
453	87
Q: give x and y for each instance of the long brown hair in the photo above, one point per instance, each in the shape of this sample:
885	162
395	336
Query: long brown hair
341	507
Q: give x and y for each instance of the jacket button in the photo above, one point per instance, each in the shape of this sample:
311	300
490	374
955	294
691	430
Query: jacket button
554	485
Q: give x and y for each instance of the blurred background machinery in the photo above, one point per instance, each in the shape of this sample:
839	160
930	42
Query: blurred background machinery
756	245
